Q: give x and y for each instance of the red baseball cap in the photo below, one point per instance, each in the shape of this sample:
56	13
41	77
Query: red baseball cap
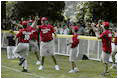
24	23
75	27
30	21
106	24
44	19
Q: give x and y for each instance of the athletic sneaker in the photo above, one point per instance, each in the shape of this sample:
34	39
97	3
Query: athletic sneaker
40	67
12	57
72	71
114	66
38	62
24	70
57	67
21	61
8	57
105	73
76	69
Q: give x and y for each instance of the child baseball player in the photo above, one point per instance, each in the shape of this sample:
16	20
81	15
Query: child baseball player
73	52
106	37
22	48
114	51
33	41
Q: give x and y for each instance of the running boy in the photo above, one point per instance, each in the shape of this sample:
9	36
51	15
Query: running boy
106	37
73	52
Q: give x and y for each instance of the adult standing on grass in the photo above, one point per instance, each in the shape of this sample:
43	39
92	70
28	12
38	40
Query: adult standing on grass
47	44
106	37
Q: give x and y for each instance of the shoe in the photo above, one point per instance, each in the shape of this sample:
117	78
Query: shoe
105	73
72	71
21	61
57	67
76	69
38	62
8	57
41	67
24	70
13	57
114	66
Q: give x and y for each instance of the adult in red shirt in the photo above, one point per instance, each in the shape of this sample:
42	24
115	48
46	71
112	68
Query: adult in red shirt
23	46
47	44
106	37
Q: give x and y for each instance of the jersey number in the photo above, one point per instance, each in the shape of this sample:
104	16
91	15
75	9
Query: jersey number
26	37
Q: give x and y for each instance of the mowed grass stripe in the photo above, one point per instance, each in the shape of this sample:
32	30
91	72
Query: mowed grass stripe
88	68
16	70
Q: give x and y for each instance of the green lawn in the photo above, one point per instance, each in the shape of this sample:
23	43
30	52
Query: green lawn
88	68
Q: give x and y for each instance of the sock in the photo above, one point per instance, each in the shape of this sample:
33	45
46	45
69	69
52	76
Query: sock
25	65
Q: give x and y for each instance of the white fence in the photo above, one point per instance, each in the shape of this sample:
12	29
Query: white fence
90	48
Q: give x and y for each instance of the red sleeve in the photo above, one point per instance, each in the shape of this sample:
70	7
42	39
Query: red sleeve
52	29
36	35
21	22
39	28
19	34
102	35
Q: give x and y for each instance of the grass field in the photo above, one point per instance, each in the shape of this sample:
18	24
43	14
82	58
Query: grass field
88	68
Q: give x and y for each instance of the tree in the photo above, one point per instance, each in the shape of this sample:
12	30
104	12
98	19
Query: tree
10	7
50	9
3	9
95	10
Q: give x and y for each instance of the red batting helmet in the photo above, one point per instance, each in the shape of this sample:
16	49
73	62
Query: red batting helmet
106	24
44	19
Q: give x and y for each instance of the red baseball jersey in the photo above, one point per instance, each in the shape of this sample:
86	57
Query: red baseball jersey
115	37
46	32
106	37
21	22
75	41
23	35
34	33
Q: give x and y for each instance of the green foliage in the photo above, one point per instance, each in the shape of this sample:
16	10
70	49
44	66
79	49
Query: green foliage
10	7
85	10
95	10
50	9
3	9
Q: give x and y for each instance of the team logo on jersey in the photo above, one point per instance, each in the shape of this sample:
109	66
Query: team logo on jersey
27	35
33	31
45	30
109	35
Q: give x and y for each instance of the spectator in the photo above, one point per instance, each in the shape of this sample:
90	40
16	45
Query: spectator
88	30
81	30
99	26
65	30
61	29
